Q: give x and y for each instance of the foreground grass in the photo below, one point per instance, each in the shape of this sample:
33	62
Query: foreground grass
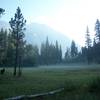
79	84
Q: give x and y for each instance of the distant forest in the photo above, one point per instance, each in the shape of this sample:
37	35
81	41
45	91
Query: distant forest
15	51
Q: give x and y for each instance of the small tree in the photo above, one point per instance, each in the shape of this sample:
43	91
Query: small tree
74	50
88	45
1	11
17	29
60	54
97	29
88	39
67	54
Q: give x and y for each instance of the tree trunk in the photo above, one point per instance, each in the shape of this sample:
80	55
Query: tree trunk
19	66
16	59
16	56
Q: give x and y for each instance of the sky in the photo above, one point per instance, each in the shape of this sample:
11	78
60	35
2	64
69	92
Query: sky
70	17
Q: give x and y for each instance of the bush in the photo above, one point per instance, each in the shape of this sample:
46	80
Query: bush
94	85
2	71
71	86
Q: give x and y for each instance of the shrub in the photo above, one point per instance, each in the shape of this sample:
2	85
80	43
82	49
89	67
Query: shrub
94	85
2	71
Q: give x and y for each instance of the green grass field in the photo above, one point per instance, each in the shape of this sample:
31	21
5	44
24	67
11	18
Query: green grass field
79	84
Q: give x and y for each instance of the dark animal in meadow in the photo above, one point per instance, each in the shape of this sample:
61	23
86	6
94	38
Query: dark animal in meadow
2	71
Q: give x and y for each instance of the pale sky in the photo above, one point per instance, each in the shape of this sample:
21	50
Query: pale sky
70	17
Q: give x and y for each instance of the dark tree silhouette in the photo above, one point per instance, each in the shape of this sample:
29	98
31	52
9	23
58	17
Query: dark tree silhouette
17	29
88	45
96	45
50	53
3	46
97	29
88	39
74	50
67	54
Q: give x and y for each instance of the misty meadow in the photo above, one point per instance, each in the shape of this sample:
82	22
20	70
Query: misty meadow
49	50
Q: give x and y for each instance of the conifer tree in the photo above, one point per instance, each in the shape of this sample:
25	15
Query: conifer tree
97	29
88	45
17	29
73	49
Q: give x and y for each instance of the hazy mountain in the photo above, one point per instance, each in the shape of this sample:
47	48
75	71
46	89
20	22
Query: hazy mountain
36	34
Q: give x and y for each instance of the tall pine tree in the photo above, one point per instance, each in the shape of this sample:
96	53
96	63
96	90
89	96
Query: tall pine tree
17	29
88	39
74	50
97	42
88	45
97	29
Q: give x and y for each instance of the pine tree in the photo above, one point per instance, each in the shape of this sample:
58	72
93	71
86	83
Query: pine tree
42	54
60	54
17	29
3	45
94	50
73	49
88	39
2	40
10	51
67	54
56	52
31	55
97	29
88	45
47	53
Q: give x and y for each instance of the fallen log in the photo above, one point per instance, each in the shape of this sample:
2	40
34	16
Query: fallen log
22	97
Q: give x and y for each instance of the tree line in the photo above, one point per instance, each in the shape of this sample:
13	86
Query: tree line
50	53
28	54
90	53
92	49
